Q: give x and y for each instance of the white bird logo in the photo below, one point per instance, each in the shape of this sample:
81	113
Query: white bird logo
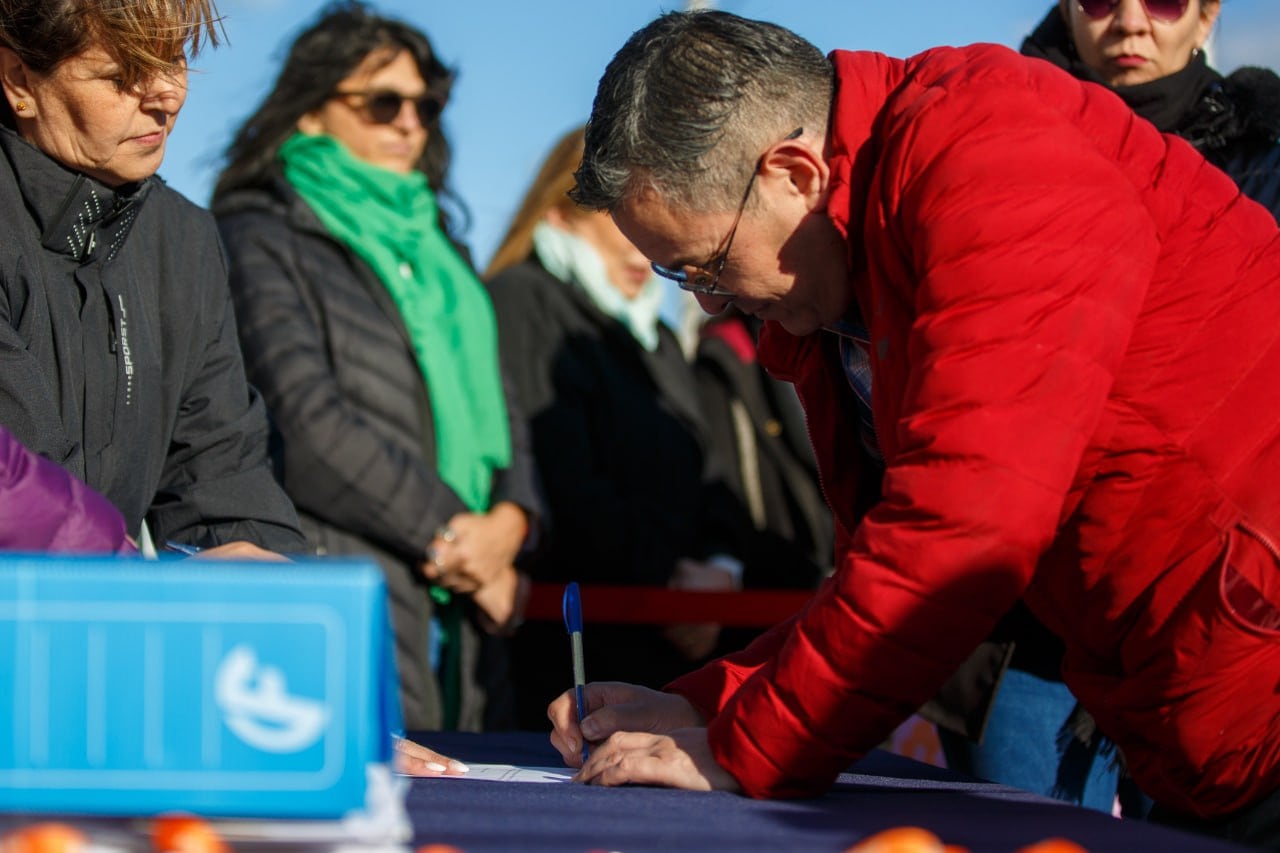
257	706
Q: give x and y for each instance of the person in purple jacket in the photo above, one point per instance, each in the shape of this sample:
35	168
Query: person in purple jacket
44	508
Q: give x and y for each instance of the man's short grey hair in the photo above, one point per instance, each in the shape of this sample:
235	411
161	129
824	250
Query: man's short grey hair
690	102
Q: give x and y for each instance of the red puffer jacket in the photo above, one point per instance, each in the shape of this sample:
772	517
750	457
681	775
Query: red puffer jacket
1075	343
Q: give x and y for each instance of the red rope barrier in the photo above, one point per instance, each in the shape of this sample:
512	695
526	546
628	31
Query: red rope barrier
754	608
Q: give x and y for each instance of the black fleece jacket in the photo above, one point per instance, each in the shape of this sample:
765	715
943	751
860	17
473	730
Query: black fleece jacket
118	354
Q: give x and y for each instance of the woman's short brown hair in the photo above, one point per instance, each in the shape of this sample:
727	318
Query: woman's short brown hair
145	36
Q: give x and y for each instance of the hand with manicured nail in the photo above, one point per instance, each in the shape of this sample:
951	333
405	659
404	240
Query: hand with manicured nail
413	759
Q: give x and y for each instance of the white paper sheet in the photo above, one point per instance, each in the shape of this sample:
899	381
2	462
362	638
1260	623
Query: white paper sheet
513	773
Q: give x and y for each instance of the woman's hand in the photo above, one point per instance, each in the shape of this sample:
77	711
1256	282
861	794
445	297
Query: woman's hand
415	760
240	550
698	640
614	706
502	602
475	549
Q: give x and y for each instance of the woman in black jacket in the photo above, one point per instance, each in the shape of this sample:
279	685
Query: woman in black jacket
119	359
618	432
375	347
1153	57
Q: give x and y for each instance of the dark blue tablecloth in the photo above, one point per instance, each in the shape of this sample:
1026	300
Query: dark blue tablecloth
882	791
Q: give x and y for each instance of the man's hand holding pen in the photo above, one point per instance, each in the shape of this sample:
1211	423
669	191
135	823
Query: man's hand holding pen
639	736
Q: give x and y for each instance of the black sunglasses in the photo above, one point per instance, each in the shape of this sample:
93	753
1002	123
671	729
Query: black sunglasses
1160	10
383	105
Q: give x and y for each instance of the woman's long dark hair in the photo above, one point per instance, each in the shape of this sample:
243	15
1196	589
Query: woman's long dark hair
343	36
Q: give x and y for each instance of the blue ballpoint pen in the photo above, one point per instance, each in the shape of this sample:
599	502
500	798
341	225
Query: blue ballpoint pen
573	622
181	548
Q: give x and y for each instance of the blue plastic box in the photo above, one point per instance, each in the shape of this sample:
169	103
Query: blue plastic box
133	687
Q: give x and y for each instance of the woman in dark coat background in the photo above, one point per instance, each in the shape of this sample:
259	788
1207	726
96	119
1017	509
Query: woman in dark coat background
633	495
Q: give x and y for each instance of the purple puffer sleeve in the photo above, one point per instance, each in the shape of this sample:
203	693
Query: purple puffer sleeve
44	508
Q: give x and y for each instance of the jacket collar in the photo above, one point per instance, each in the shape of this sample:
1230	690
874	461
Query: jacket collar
864	82
77	216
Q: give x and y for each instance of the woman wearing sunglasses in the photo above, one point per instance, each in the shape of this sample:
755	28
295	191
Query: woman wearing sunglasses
1151	53
375	348
1029	732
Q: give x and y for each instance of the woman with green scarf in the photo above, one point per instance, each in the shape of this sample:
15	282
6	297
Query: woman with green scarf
375	348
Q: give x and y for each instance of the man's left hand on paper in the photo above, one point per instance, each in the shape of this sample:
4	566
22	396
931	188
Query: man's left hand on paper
681	759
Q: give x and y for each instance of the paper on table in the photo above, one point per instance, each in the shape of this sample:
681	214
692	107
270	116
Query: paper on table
512	773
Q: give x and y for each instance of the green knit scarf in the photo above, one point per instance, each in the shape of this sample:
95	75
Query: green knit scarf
389	220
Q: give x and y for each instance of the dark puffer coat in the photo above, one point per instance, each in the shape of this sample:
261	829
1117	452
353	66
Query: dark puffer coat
325	343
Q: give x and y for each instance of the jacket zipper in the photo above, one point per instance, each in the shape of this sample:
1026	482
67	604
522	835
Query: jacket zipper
1266	540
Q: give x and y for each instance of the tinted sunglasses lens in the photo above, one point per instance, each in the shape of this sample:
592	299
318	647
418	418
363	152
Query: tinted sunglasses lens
384	107
429	108
1161	10
1097	8
1166	10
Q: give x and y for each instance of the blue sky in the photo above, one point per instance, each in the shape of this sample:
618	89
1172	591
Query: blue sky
527	70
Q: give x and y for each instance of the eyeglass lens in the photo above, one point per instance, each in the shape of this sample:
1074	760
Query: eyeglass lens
1161	10
383	107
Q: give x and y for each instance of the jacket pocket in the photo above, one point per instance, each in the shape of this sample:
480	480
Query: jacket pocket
1249	582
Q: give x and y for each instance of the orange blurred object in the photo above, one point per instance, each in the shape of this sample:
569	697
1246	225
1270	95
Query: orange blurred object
44	838
1053	845
185	834
900	839
438	848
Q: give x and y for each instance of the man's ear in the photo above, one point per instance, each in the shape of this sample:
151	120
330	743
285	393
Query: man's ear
15	78
804	169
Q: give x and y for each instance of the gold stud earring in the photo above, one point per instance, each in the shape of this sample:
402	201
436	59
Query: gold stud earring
20	107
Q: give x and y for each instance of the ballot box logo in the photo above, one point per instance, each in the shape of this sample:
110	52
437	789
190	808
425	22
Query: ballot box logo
257	706
131	687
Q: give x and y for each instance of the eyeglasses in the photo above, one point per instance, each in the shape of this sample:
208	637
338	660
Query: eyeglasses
700	280
1160	10
383	106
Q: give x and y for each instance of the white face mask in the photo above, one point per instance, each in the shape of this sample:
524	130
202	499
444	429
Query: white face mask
576	262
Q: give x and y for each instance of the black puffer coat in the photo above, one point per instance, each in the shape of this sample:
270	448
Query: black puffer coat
326	345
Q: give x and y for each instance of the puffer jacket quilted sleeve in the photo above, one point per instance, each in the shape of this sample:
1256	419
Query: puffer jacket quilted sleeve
1002	255
44	508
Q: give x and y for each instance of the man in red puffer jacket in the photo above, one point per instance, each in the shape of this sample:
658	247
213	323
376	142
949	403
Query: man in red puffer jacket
1038	346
